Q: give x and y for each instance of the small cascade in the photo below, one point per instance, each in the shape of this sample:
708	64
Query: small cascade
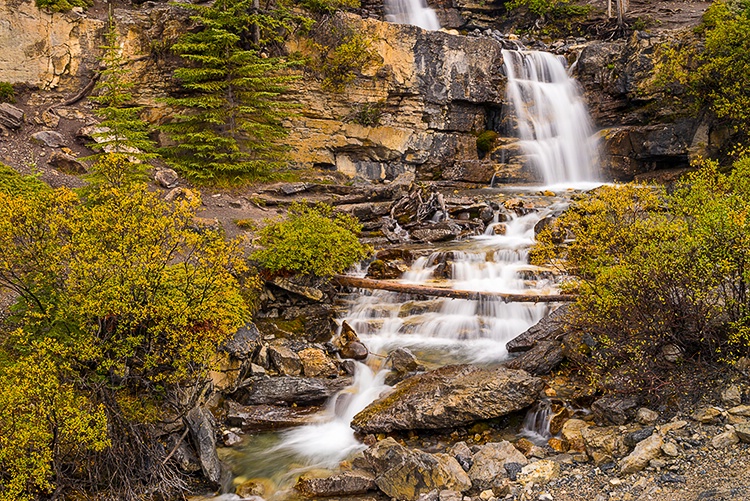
414	12
536	424
551	118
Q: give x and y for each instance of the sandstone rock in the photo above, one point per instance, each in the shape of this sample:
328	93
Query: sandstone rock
740	410
645	451
66	163
407	474
200	423
315	363
743	432
603	444
731	396
571	432
288	390
558	444
614	410
10	116
449	397
724	440
348	483
489	464
49	138
166	178
707	415
268	417
646	416
285	360
540	472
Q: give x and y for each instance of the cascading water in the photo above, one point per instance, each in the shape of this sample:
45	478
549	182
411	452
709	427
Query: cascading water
551	119
414	12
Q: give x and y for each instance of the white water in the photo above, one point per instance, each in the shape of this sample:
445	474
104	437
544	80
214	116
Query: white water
551	119
414	12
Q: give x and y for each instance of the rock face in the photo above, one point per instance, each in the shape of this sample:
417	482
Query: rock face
449	397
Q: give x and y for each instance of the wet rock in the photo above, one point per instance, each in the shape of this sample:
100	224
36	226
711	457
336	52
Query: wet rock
285	360
382	270
724	440
66	163
645	451
614	410
315	363
646	416
349	344
268	417
255	489
707	415
545	356
166	178
348	483
449	397
558	444
407	474
200	423
230	438
488	469
539	473
731	396
438	232
402	363
548	327
10	116
288	390
603	444
48	138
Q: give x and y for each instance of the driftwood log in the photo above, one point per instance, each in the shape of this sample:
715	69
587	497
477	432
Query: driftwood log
388	285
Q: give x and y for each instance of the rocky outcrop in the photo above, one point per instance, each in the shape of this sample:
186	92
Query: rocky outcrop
288	390
448	397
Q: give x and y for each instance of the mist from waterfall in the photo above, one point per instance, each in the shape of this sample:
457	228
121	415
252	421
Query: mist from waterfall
551	119
414	12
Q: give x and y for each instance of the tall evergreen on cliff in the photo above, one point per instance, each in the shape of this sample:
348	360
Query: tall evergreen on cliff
229	123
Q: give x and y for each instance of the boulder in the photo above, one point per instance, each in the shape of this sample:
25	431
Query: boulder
448	397
66	163
402	363
200	424
539	473
10	116
603	444
437	232
614	410
48	138
268	417
549	327
644	451
571	432
488	469
406	474
349	344
288	390
285	360
348	483
166	178
315	363
463	455
545	356
244	343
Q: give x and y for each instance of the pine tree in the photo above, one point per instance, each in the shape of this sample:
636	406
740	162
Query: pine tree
124	136
229	125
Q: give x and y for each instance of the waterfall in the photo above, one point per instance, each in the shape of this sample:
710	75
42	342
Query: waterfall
414	12
551	119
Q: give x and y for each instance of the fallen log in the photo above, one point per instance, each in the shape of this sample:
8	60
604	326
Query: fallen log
389	285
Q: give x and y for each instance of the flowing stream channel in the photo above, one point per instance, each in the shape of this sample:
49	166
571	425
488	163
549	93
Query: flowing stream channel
556	135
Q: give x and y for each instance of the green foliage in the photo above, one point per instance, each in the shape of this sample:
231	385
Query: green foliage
7	93
655	268
124	138
62	5
119	296
313	240
229	124
342	53
551	8
367	114
486	141
329	6
15	184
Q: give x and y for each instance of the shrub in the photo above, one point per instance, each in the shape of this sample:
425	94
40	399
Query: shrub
15	184
62	5
486	141
7	93
313	240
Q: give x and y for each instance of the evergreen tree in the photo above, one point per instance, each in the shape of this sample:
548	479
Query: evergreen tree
124	137
230	121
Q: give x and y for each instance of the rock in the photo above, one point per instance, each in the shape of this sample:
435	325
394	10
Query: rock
707	415
614	410
382	270
645	451
558	444
355	351
50	119
315	363
230	438
571	432
438	232
646	416
603	444
288	390
402	363
200	423
268	417
348	483
449	397
66	163
545	356
471	171
548	327
302	290
513	469
49	138
255	489
743	432
731	396
166	178
670	449
671	353
407	474
180	193
539	473
631	439
244	343
724	440
740	410
10	116
463	455
672	426
285	360
488	469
